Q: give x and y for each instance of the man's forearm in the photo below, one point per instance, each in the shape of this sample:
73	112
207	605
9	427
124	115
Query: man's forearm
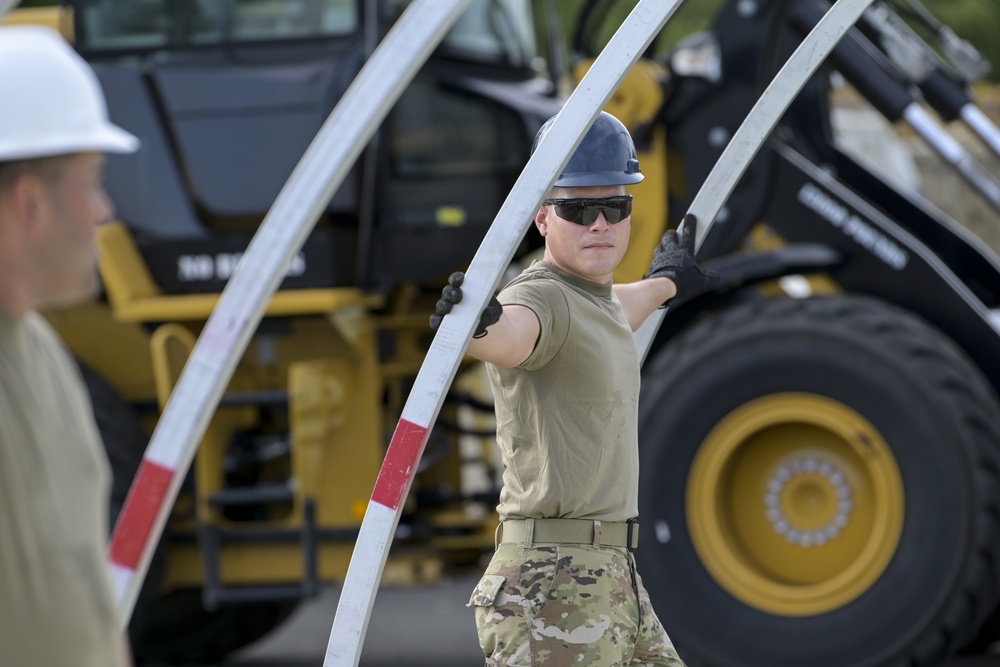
640	299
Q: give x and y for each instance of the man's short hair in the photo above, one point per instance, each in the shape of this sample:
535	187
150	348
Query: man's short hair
46	168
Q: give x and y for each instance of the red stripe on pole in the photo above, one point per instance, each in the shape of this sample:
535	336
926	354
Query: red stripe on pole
400	463
136	521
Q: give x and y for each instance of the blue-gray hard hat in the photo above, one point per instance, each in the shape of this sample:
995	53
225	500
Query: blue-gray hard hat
605	156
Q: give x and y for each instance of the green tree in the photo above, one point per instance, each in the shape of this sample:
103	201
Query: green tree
973	20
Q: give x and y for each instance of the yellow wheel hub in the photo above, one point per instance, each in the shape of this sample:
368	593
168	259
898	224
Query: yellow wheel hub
795	504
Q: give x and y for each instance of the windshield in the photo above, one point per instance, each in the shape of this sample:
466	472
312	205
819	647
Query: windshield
151	24
489	30
498	31
495	29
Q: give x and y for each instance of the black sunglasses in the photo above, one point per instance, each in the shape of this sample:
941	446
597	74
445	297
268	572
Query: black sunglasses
584	211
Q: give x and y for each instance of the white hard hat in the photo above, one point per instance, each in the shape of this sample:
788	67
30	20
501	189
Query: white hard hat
52	102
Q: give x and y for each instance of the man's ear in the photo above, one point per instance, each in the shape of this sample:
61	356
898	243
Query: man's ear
542	221
27	201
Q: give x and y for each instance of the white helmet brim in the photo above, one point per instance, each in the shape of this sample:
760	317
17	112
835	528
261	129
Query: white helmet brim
105	139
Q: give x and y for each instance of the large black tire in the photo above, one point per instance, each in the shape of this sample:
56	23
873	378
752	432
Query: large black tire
171	628
819	487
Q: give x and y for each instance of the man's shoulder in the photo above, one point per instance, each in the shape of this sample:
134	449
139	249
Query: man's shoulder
539	275
31	345
536	286
43	339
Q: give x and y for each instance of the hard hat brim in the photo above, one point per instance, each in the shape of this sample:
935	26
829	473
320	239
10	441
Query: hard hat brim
107	138
597	179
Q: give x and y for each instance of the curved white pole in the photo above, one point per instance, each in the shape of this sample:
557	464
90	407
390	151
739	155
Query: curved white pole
224	339
757	127
452	338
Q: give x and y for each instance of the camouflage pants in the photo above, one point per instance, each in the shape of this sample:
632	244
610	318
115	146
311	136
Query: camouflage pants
567	604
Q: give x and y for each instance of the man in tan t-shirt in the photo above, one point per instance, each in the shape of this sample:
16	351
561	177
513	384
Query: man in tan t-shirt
562	588
56	605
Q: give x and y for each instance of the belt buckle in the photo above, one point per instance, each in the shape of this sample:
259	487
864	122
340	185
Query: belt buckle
633	529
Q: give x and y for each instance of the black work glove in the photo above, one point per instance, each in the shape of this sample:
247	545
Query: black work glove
674	259
452	294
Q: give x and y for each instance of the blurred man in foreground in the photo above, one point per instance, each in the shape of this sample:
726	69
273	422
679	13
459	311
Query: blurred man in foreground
56	603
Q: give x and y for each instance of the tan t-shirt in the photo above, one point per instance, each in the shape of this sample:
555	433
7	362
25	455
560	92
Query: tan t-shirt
567	417
56	605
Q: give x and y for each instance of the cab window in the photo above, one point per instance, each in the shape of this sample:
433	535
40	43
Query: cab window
135	25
